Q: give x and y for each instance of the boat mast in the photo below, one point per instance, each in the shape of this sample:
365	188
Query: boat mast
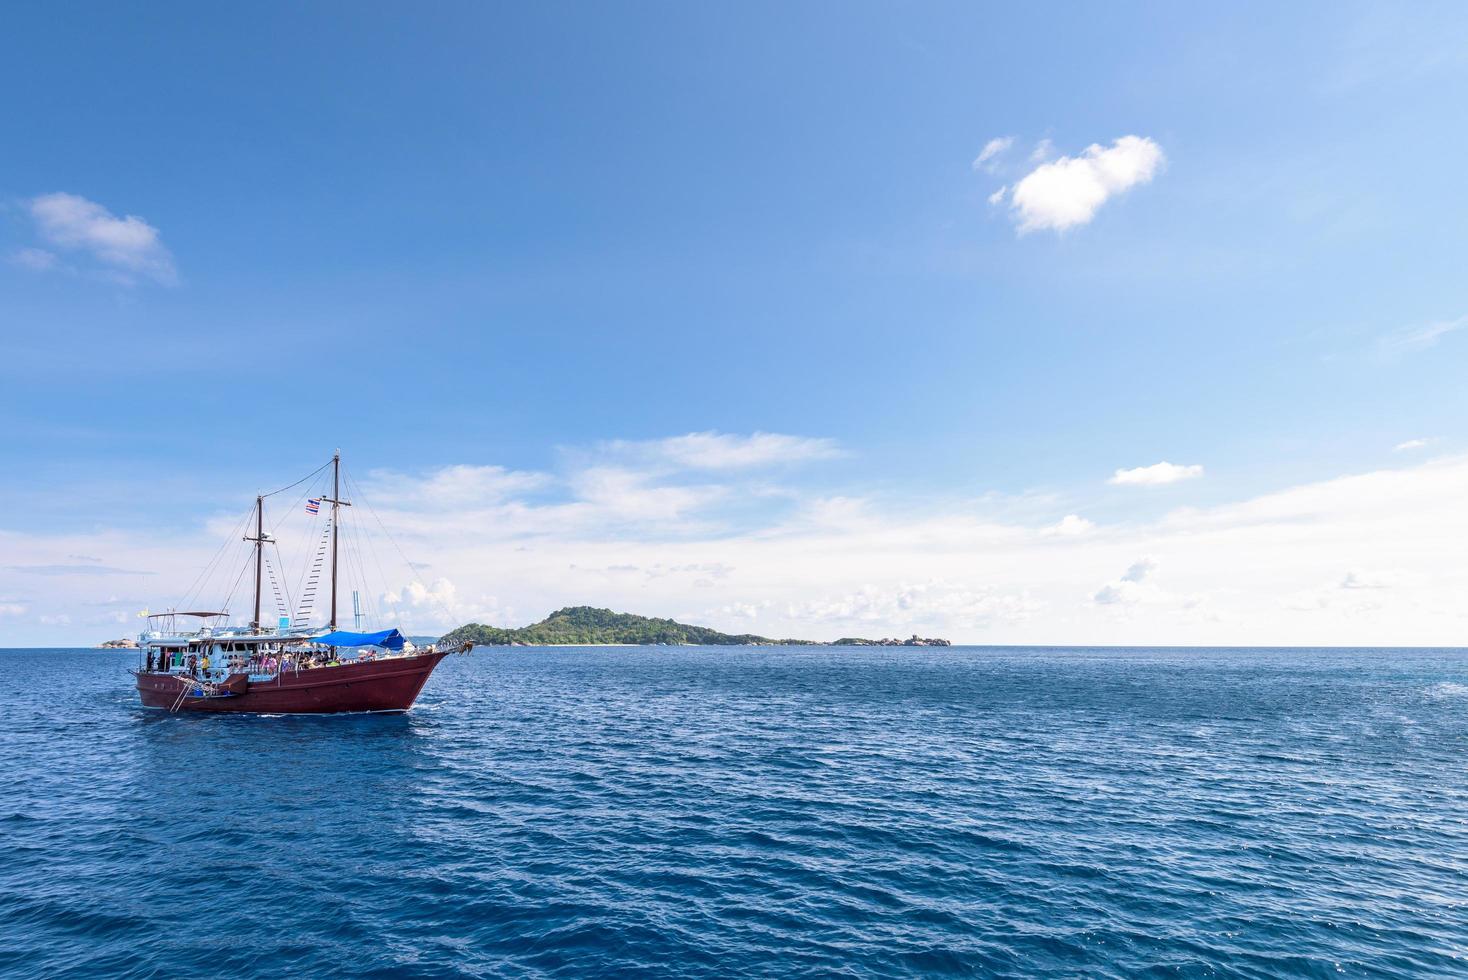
336	505
259	540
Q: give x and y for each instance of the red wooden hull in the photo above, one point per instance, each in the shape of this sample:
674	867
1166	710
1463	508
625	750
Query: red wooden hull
375	685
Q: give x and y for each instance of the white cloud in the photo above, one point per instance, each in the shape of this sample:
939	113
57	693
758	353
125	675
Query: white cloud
1410	444
1069	526
934	604
35	259
1365	580
619	494
1357	559
12	609
1155	475
417	606
726	451
744	610
455	486
1357	594
995	148
1068	191
997	197
127	246
1410	340
1132	588
417	594
1139	570
1042	151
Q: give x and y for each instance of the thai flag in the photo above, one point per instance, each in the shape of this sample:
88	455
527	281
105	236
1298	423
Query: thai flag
313	505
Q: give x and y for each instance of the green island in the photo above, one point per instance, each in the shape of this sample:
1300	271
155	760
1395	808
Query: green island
589	626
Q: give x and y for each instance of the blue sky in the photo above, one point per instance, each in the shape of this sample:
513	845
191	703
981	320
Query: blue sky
466	242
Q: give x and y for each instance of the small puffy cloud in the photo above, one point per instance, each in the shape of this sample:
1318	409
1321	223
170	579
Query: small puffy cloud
997	197
743	610
417	594
1363	580
934	602
989	156
726	451
1410	444
126	246
420	607
35	259
1069	526
1068	191
12	609
1042	151
1131	588
1139	570
1155	475
1357	593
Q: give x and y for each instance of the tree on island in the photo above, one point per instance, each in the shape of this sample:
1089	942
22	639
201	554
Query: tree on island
588	626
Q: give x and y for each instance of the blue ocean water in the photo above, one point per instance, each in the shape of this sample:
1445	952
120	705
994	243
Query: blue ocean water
673	812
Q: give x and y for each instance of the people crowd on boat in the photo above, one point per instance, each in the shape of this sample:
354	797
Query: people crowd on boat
264	662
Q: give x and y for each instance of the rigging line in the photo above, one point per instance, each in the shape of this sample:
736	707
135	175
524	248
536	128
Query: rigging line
364	543
371	550
355	577
300	481
206	576
274	576
372	547
305	550
310	534
201	581
356	552
206	583
287	512
355	574
217	555
238	578
357	493
301	550
313	578
352	554
284	585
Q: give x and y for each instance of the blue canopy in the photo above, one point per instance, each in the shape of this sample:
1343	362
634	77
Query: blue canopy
391	639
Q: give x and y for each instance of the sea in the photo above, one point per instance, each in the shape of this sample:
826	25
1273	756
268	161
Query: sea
756	811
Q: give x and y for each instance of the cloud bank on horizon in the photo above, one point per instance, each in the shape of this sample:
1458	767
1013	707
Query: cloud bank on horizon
664	527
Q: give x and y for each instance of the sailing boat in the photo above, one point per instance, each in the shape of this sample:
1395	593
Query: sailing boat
286	669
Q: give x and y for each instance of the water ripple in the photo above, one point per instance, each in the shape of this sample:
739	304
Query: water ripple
701	813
